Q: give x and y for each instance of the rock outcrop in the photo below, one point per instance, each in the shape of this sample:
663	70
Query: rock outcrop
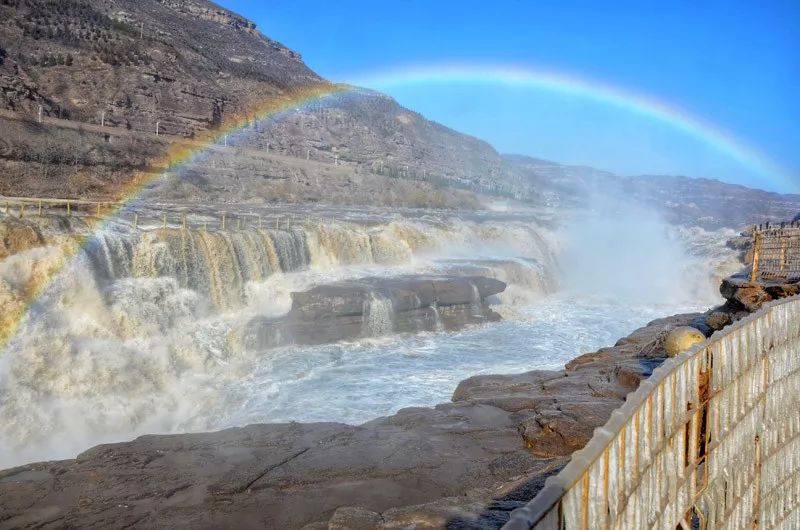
745	295
350	310
17	236
466	463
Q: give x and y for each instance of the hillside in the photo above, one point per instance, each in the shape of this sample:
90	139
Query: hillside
92	91
188	66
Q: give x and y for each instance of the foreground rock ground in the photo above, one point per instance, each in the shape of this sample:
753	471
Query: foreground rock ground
463	464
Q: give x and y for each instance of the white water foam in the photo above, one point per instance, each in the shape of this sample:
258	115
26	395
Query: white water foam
142	344
378	316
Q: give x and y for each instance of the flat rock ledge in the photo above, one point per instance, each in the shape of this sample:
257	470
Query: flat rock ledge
375	306
463	464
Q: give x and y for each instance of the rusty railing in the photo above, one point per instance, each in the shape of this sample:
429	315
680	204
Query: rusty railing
711	440
776	253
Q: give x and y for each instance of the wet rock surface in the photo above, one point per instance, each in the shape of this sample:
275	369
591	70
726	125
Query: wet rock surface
463	464
745	295
350	310
17	236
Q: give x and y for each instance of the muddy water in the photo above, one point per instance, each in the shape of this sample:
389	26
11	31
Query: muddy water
134	334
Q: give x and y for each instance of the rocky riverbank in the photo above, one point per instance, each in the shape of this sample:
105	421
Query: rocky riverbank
467	462
462	464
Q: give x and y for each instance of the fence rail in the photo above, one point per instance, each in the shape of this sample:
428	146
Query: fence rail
711	440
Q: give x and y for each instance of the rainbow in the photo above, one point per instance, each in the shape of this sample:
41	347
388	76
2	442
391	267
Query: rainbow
183	152
177	154
566	83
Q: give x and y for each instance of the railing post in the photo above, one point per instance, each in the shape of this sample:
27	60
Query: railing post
164	217
757	482
69	209
40	208
585	501
223	221
756	255
783	253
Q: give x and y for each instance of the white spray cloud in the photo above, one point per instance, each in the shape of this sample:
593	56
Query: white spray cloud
623	250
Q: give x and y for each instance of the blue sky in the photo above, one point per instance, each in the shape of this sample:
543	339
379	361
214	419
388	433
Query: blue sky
732	65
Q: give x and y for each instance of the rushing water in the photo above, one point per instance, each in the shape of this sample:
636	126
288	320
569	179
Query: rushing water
355	382
135	334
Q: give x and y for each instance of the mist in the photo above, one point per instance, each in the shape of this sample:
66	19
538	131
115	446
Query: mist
621	250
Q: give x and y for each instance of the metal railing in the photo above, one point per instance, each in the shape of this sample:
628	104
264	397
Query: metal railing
711	440
32	207
385	167
776	253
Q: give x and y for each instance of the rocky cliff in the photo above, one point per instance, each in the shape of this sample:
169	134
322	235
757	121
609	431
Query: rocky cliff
105	73
189	66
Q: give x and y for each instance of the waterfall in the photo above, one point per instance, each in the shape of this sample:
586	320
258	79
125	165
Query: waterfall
134	334
111	255
222	266
344	244
292	249
216	264
475	300
437	318
378	315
